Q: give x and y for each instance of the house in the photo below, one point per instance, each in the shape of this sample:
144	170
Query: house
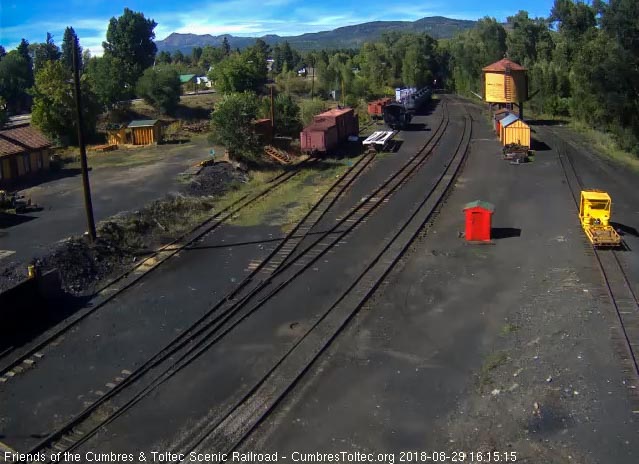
203	81
24	150
188	81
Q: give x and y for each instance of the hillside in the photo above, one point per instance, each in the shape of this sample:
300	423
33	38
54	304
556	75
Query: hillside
343	37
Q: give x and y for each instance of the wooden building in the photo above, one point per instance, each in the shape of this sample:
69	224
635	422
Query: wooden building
24	150
514	130
140	132
505	85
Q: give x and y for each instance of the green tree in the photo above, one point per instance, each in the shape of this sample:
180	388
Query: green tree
211	55
240	72
129	42
54	104
163	57
232	125
15	78
287	114
311	108
67	48
530	39
4	117
47	51
106	75
178	56
226	47
196	54
160	87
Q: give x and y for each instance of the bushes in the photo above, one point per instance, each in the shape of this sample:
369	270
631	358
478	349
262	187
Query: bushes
310	108
160	88
232	125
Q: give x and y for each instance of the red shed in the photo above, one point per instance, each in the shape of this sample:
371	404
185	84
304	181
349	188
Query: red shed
478	220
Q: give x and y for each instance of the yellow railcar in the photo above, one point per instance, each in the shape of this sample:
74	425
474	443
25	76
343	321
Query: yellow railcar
594	214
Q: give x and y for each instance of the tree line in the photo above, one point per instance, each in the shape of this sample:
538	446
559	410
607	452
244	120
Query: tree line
582	60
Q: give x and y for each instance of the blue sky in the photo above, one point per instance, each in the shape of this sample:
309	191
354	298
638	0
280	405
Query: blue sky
31	19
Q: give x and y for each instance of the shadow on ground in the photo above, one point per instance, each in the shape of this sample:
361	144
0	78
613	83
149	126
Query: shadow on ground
624	229
45	176
10	220
504	232
22	324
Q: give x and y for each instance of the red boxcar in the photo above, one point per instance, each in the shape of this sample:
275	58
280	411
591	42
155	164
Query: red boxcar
376	108
319	137
335	126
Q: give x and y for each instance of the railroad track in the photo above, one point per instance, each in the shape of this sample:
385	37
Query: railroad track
13	359
225	316
227	435
616	282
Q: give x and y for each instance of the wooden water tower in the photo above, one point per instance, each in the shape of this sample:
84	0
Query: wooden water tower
505	85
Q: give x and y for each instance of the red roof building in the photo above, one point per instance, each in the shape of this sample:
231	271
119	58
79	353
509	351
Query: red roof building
23	150
504	65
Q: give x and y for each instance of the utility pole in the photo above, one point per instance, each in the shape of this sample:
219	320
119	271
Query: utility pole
88	205
313	77
272	110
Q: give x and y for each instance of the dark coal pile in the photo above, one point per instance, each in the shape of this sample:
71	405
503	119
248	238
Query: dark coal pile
12	275
129	236
215	180
83	265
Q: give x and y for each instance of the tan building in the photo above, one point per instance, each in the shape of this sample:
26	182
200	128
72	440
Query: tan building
24	150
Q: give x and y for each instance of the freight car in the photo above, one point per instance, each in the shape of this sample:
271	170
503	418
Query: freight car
376	107
328	130
417	99
399	114
396	116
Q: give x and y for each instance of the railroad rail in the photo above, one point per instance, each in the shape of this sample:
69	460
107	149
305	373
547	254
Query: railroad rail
235	427
226	315
14	358
116	286
616	281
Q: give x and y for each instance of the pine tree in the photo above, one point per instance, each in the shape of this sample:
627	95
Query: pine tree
67	48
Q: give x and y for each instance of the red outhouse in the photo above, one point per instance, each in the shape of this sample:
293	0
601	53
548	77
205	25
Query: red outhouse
478	220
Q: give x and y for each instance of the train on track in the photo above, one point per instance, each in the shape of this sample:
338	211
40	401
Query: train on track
329	130
398	115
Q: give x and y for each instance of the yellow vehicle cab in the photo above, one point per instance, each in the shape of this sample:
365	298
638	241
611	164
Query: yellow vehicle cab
594	214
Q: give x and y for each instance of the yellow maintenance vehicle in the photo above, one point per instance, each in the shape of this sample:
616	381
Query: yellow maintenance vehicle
594	214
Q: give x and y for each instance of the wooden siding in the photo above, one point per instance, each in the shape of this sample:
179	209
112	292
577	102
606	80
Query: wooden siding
117	137
145	135
517	132
19	165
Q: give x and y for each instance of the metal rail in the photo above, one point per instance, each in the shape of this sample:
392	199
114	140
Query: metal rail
197	339
250	411
145	267
151	262
617	284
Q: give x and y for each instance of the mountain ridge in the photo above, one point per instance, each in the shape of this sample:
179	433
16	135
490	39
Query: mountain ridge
439	27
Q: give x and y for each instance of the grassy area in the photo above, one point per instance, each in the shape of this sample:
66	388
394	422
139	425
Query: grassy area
604	143
139	156
288	204
191	107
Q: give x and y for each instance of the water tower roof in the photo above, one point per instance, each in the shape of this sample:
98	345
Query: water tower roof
503	64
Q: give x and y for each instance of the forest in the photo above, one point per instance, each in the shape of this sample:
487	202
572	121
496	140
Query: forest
582	61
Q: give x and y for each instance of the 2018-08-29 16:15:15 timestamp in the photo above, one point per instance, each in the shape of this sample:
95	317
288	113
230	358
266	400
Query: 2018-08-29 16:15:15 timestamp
458	456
